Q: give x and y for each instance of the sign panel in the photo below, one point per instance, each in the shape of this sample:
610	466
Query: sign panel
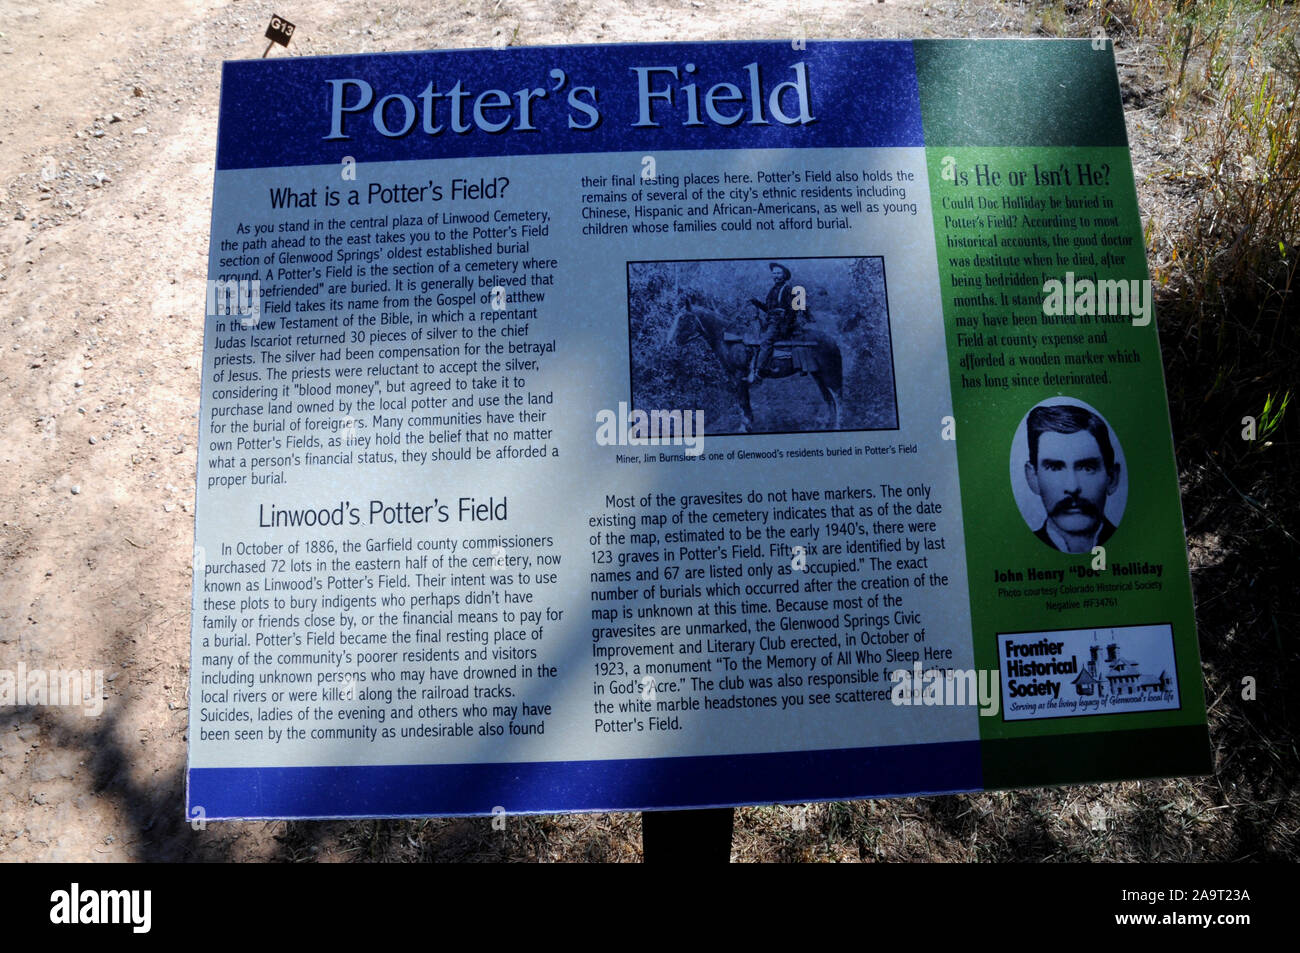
630	427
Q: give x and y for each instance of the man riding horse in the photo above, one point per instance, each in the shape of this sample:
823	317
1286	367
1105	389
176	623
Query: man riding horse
818	353
778	317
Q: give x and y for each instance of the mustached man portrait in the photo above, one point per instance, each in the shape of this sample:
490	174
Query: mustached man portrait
1068	475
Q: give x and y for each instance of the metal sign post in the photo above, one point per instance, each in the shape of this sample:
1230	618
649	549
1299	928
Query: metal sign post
678	837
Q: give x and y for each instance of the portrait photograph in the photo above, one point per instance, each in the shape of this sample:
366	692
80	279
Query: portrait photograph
1068	475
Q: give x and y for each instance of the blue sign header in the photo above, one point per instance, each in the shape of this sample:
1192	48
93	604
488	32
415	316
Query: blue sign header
560	100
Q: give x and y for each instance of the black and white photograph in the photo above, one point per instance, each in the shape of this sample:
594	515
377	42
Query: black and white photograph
770	345
1068	475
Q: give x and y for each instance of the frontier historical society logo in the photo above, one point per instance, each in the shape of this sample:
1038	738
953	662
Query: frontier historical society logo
1088	672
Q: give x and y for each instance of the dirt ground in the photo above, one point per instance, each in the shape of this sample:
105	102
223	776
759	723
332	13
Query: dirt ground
107	141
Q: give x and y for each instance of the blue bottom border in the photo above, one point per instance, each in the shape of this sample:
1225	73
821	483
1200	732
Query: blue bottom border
425	790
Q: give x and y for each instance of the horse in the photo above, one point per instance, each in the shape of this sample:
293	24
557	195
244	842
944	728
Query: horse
734	356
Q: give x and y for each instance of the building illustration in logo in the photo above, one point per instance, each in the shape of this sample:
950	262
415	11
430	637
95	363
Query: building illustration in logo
1117	676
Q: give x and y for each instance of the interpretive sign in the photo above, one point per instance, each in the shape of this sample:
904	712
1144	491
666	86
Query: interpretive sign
679	425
